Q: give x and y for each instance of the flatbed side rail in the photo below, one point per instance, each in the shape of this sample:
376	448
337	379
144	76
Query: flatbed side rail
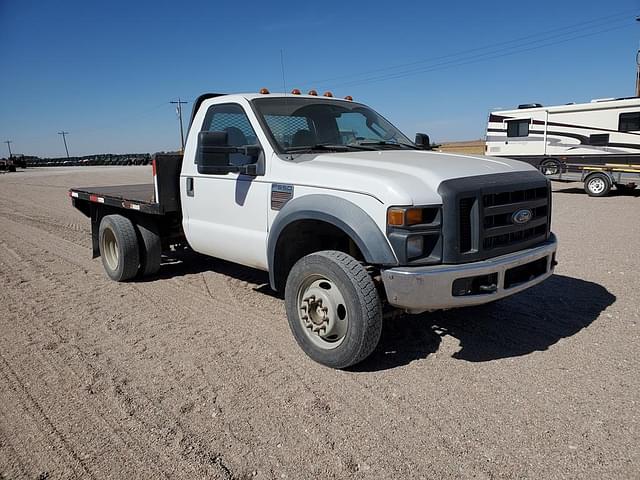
116	202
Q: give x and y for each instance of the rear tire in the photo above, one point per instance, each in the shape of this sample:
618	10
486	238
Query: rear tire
119	247
597	185
333	308
150	249
551	167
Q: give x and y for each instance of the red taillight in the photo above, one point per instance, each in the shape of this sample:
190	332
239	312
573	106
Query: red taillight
153	166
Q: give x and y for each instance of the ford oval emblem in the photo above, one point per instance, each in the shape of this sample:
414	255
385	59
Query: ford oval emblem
522	216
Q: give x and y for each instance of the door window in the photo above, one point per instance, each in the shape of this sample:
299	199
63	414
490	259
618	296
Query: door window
231	119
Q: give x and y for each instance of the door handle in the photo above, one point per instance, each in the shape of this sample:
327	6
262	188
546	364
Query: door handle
189	186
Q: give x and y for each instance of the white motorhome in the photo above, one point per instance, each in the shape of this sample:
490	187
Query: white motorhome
558	137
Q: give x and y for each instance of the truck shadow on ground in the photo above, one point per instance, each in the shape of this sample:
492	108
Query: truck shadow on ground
528	322
531	321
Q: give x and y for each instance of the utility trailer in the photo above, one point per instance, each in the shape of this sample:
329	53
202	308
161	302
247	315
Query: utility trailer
598	179
150	213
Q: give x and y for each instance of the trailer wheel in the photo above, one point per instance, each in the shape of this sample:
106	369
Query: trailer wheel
333	308
597	185
150	249
119	247
551	167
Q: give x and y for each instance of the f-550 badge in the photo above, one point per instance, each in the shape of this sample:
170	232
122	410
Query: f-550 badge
280	194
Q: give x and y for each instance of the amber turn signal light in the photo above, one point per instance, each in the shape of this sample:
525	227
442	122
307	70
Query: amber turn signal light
404	217
413	216
264	91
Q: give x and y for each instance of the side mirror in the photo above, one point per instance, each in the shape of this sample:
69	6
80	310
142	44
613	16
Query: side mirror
423	141
216	156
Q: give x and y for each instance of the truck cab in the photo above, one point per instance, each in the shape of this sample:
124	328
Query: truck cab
350	218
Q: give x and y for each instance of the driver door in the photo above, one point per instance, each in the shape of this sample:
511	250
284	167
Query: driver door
227	213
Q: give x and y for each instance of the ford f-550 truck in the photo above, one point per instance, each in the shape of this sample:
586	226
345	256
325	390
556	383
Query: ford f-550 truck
348	216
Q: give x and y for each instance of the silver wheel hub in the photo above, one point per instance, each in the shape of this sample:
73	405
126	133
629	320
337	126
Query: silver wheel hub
322	312
597	185
110	248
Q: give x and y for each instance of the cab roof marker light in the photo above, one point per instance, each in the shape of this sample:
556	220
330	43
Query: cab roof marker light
349	97
264	91
313	92
327	94
295	91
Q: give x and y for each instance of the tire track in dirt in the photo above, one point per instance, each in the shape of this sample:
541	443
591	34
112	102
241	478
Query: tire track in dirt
121	394
202	301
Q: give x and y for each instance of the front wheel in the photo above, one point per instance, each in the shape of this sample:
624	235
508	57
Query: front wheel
333	308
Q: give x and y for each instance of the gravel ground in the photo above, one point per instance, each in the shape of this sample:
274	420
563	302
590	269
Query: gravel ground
194	374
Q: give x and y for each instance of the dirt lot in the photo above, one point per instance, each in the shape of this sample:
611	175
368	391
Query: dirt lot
194	374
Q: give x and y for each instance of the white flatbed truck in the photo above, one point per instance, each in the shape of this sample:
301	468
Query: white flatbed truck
348	216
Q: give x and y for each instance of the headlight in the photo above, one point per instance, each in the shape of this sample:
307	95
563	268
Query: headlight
415	233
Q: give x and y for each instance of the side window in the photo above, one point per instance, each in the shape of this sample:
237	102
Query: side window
629	122
231	119
518	128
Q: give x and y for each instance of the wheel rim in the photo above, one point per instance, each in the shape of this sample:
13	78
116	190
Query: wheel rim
322	312
597	185
550	168
110	248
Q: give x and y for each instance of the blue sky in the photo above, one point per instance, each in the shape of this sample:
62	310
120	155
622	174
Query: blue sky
105	71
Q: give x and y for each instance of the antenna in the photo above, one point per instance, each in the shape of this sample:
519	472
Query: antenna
284	83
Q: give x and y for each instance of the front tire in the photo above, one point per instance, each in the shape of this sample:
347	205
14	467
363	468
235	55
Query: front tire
119	247
333	308
597	185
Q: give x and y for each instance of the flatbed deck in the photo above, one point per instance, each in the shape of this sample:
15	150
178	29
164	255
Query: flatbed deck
160	197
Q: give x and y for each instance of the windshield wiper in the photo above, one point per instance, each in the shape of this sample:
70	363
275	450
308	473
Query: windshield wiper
382	143
326	147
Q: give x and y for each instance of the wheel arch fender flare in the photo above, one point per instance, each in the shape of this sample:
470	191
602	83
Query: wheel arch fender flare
339	212
600	173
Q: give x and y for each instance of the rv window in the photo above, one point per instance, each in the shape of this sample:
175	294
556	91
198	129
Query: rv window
599	139
518	128
629	122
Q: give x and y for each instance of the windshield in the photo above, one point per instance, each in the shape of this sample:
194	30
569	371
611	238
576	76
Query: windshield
300	124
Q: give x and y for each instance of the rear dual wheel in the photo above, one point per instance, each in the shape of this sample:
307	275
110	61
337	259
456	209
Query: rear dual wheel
128	250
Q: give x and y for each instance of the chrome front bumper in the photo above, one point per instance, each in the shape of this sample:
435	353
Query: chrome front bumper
418	289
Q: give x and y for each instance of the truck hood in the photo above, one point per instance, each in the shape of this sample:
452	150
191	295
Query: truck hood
395	177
